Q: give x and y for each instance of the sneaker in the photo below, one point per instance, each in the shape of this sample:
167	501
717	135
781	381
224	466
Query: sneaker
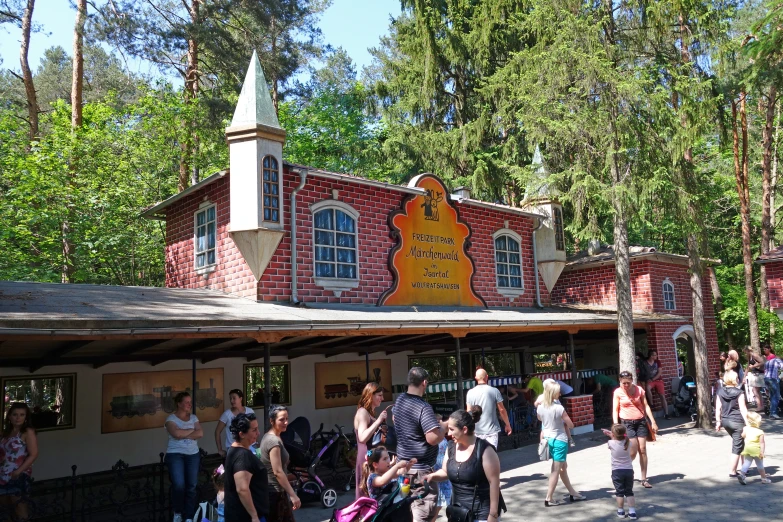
571	443
773	416
633	516
766	480
620	513
177	517
741	477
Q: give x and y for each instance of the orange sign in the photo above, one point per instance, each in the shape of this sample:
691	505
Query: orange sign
430	263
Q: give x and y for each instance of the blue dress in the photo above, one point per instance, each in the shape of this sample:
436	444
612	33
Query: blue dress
444	488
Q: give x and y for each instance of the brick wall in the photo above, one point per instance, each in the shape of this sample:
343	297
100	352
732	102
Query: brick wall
595	286
374	204
579	408
774	271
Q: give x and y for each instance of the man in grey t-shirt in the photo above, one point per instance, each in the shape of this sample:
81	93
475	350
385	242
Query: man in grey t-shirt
490	401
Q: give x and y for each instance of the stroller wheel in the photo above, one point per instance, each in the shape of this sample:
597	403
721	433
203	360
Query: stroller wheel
328	498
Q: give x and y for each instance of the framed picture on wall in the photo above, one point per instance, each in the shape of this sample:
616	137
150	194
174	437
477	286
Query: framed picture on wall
51	399
143	400
341	383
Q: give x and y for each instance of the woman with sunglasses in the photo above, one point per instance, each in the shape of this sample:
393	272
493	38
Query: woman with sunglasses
629	407
237	400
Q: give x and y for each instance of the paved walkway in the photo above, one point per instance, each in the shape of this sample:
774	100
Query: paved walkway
688	471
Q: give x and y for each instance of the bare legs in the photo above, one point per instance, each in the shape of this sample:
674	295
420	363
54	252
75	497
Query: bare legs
639	446
559	470
621	503
734	462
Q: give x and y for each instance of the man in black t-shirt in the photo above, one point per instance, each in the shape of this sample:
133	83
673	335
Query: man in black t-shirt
418	434
246	492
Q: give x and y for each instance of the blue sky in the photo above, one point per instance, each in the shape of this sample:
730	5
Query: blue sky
354	25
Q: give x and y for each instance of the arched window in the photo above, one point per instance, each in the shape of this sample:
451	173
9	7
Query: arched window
271	188
335	239
508	263
668	295
559	236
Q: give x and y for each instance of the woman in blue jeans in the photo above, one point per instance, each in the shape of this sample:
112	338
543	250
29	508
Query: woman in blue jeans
182	457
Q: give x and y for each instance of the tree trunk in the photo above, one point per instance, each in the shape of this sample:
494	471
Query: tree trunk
700	334
766	194
77	80
27	74
718	297
191	93
743	190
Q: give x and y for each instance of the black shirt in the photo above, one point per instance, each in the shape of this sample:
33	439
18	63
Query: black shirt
241	459
468	479
729	405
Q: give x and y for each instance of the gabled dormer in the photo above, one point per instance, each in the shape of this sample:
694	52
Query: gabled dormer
255	141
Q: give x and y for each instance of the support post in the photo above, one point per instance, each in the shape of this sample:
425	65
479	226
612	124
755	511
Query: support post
483	362
193	387
367	365
460	396
267	384
574	379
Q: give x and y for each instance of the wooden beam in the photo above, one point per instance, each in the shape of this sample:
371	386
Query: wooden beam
57	353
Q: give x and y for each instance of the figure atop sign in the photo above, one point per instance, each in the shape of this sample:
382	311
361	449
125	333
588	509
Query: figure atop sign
430	262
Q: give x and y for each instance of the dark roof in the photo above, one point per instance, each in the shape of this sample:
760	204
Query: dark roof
605	255
773	255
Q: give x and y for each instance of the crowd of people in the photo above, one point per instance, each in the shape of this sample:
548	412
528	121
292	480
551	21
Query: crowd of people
446	463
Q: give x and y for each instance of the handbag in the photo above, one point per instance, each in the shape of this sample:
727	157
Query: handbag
379	437
651	437
543	450
457	513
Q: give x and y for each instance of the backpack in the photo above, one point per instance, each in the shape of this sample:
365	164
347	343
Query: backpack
362	509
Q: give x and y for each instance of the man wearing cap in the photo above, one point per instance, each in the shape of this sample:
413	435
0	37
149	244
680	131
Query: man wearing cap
489	399
418	434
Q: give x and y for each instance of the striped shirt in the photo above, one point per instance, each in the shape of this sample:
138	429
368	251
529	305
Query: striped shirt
413	418
772	368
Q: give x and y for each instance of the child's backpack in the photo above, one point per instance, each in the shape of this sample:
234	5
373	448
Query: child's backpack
361	510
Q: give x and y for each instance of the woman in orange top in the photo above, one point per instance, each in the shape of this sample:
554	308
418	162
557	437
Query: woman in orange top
629	408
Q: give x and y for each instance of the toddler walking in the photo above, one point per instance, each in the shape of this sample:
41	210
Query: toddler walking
754	448
622	470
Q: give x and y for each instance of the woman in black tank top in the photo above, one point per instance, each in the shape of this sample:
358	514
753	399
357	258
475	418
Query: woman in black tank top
473	468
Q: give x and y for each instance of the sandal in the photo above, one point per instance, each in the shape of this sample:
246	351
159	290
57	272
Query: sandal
553	502
646	484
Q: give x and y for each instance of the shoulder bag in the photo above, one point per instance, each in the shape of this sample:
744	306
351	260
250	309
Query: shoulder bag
651	437
379	437
543	449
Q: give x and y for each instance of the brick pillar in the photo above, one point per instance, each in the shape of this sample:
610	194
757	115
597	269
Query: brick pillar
580	409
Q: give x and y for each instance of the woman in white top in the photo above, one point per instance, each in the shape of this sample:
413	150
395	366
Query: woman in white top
182	457
554	419
237	400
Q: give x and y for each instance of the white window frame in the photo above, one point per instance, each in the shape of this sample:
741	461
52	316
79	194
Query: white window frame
279	223
204	207
559	228
337	285
504	290
673	301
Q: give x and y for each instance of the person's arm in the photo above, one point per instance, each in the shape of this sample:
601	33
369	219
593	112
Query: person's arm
435	435
197	432
763	446
364	428
504	416
281	476
177	433
440	475
31	440
242	482
615	409
219	438
743	408
717	412
381	480
649	413
743	434
567	422
491	465
434	429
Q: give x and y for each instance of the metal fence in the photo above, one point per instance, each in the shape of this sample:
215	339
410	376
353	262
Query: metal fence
123	493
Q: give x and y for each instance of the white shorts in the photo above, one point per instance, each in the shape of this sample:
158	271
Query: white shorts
492	438
755	380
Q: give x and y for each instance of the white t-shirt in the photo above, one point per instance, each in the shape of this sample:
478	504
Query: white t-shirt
552	424
226	419
488	398
184	446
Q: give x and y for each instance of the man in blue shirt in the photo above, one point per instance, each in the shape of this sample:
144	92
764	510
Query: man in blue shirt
772	369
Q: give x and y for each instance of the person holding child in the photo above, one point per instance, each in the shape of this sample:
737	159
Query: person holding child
731	414
379	472
622	470
755	448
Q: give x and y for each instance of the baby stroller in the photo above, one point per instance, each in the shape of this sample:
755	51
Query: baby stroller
303	463
389	507
685	399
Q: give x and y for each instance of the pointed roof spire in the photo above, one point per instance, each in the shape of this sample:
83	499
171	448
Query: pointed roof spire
538	187
255	103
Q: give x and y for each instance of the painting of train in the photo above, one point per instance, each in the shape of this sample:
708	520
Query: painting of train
341	383
143	400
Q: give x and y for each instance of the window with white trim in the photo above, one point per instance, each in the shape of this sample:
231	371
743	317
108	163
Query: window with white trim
336	245
271	189
668	295
206	240
559	235
508	263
